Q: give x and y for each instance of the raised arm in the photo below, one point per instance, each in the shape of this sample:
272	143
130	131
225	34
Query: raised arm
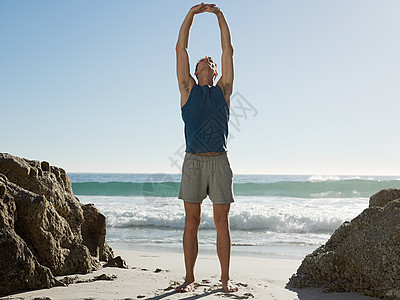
185	80
226	80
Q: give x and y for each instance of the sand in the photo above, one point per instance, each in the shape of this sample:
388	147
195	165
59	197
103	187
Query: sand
153	275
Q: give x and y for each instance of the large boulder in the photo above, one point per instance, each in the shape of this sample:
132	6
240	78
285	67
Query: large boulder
361	256
20	269
44	225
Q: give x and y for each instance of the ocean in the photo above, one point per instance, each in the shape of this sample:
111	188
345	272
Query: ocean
286	216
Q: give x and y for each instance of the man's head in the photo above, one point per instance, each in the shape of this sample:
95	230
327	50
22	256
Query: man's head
207	67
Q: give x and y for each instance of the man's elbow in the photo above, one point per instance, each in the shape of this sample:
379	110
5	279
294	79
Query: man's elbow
179	47
228	50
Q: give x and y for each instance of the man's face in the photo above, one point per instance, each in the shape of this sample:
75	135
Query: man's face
205	65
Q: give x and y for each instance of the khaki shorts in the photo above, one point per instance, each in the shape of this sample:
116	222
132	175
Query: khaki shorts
206	175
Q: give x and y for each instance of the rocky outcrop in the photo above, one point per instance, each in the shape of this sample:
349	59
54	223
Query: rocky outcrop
44	230
383	197
19	267
361	256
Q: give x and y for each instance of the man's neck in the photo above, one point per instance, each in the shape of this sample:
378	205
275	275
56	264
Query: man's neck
205	81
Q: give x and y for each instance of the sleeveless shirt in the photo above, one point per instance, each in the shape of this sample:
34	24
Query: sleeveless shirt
206	116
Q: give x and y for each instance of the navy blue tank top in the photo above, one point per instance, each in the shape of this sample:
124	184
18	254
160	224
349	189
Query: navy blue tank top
206	116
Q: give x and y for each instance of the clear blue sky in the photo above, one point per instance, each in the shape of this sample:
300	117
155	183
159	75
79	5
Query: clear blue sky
90	85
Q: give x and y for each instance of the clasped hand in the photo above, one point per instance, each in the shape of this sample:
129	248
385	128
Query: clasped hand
200	8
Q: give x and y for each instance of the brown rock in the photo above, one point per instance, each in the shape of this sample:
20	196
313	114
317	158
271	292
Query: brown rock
19	268
3	178
361	256
117	262
57	173
7	212
33	172
383	197
60	196
44	219
94	232
3	189
15	170
45	166
108	277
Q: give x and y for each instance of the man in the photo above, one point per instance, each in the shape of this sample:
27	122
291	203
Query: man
206	169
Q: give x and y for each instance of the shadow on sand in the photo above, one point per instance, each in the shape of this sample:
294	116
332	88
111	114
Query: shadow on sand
218	292
317	294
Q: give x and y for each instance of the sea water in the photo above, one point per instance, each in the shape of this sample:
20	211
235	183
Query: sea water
273	215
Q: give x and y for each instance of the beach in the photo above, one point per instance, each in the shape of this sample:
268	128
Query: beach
103	102
153	275
275	222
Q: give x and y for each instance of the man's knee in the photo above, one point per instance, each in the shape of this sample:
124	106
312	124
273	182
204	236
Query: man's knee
192	215
192	222
221	223
221	216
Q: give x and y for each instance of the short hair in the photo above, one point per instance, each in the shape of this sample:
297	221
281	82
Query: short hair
208	58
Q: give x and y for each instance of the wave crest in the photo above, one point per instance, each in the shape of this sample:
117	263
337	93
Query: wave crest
314	188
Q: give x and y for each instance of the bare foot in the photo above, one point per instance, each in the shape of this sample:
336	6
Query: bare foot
185	287
229	287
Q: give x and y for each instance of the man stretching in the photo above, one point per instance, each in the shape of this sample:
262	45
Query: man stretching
206	170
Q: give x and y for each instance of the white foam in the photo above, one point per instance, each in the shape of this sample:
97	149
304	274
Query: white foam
258	224
280	215
324	178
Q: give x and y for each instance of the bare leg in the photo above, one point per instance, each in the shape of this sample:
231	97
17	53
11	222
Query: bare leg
221	220
190	243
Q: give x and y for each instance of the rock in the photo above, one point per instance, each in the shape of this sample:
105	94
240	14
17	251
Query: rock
3	178
20	269
3	189
57	173
45	166
48	230
94	232
7	211
75	279
116	262
361	256
15	170
108	277
107	253
33	172
393	294
383	197
70	280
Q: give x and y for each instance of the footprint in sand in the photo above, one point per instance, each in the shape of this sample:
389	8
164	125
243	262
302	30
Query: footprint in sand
172	285
235	296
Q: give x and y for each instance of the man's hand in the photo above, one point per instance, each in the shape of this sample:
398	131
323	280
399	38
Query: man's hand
212	8
200	8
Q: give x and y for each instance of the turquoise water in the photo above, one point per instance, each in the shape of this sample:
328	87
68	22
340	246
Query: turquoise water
349	188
